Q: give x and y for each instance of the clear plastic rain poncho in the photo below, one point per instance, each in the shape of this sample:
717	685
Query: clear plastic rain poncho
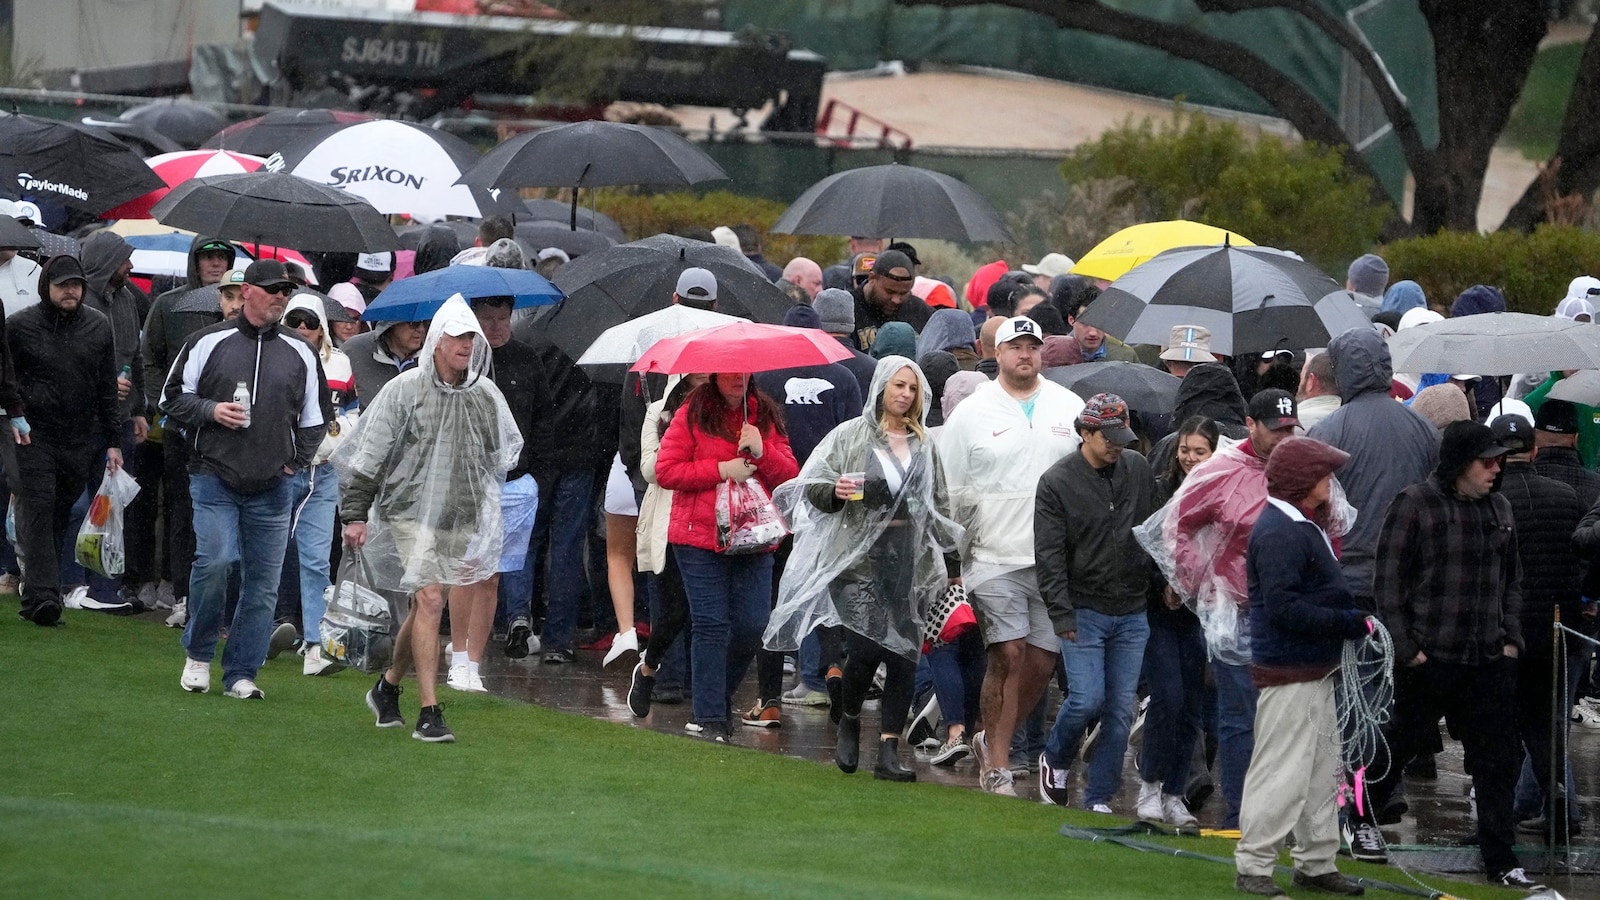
1199	539
432	458
877	564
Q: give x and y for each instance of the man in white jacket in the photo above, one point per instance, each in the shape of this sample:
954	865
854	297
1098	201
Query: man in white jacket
994	448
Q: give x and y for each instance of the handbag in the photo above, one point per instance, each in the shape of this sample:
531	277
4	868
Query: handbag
358	626
948	619
747	519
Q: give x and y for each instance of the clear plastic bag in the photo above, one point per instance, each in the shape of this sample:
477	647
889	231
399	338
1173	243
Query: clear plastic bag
747	519
99	545
358	626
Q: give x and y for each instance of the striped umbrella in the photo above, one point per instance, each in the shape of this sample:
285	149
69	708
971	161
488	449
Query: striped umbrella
176	168
1252	298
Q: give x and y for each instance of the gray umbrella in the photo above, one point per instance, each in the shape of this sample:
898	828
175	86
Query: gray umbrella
1497	344
556	211
894	201
16	236
185	121
1144	388
536	236
276	208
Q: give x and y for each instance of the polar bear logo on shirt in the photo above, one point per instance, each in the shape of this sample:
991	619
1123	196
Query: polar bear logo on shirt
806	390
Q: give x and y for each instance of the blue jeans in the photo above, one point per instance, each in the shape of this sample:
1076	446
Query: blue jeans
253	531
315	499
1103	680
957	672
1236	733
729	602
565	512
1175	670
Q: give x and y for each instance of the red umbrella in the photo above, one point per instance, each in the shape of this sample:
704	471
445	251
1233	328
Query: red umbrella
742	347
176	168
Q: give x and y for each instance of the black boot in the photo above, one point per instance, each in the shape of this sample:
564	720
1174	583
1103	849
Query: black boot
847	749
889	767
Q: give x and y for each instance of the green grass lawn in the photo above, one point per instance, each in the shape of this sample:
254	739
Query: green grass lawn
1535	123
113	782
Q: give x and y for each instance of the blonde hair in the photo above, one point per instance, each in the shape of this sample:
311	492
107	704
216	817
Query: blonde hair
913	417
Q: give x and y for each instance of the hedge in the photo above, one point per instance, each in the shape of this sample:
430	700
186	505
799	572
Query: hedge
1533	270
642	215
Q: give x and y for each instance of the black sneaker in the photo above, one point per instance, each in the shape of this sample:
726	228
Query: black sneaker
1365	841
45	613
517	639
1257	886
1053	783
1517	878
640	688
1328	883
431	727
716	732
558	657
384	701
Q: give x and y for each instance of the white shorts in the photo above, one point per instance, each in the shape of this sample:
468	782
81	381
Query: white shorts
1011	608
519	503
620	500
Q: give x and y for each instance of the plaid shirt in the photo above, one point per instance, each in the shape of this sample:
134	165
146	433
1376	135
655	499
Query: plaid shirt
1566	466
1448	576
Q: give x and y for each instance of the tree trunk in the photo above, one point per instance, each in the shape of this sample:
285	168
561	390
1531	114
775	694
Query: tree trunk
1578	148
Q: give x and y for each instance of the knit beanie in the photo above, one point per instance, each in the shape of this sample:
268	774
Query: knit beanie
1441	405
1368	274
1061	350
802	316
1299	464
1480	298
837	310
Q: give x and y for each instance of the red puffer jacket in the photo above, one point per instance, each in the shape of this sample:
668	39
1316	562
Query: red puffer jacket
687	466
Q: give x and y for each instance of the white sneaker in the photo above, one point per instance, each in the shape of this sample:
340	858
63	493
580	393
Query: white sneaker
196	676
1149	807
75	597
1586	717
180	613
626	642
1176	812
283	637
245	689
316	664
475	683
1102	809
458	678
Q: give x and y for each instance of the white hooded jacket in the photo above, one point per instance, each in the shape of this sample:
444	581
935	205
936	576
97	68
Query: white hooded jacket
341	383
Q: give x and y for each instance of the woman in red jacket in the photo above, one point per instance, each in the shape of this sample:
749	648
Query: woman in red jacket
726	431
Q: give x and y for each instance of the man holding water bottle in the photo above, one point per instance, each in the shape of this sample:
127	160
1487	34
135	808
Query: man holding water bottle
254	402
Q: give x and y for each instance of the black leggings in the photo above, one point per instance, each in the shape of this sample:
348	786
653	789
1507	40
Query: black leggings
863	657
673	613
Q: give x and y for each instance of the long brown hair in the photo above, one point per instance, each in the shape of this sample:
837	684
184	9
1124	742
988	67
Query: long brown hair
708	412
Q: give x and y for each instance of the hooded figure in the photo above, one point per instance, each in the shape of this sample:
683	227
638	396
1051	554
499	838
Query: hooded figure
872	565
425	467
1208	390
950	330
104	254
894	339
438	246
178	313
336	368
1404	296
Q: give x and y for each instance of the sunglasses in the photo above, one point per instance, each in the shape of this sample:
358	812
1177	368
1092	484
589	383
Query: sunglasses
298	319
281	289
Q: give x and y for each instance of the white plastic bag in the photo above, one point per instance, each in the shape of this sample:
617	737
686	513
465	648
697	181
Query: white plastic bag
99	545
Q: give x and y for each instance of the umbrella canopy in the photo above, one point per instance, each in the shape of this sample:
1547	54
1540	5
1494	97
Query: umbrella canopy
266	135
1497	344
628	280
417	298
538	235
184	121
135	136
16	236
894	201
278	207
556	211
621	346
331	308
1115	256
742	347
167	253
1579	387
396	166
1252	299
1144	388
175	169
78	165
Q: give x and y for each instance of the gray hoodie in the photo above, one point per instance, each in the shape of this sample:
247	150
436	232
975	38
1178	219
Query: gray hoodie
1390	447
103	254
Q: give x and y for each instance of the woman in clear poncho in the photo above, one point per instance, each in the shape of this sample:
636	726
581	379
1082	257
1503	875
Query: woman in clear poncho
420	485
870	544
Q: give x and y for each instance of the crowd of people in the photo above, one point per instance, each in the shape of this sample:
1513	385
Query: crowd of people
965	531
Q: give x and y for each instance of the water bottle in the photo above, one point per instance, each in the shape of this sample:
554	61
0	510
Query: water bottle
241	396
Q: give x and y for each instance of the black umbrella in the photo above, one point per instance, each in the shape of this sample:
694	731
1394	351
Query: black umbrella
16	236
1252	298
1145	388
411	235
332	309
894	201
136	136
266	135
620	283
185	121
593	154
276	208
536	236
78	165
556	211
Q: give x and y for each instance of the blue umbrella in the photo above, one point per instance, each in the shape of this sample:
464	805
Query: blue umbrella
416	299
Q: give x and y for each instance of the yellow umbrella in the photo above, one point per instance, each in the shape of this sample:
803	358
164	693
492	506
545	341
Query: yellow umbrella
131	227
1116	255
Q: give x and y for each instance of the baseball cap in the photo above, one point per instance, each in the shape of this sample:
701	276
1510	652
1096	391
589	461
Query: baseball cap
1052	264
697	284
65	268
1018	327
27	209
889	260
1512	432
1556	417
1189	343
861	264
1274	409
376	263
1109	414
232	278
217	246
267	273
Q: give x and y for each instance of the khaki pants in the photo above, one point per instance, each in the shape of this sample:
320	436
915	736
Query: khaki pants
1291	783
